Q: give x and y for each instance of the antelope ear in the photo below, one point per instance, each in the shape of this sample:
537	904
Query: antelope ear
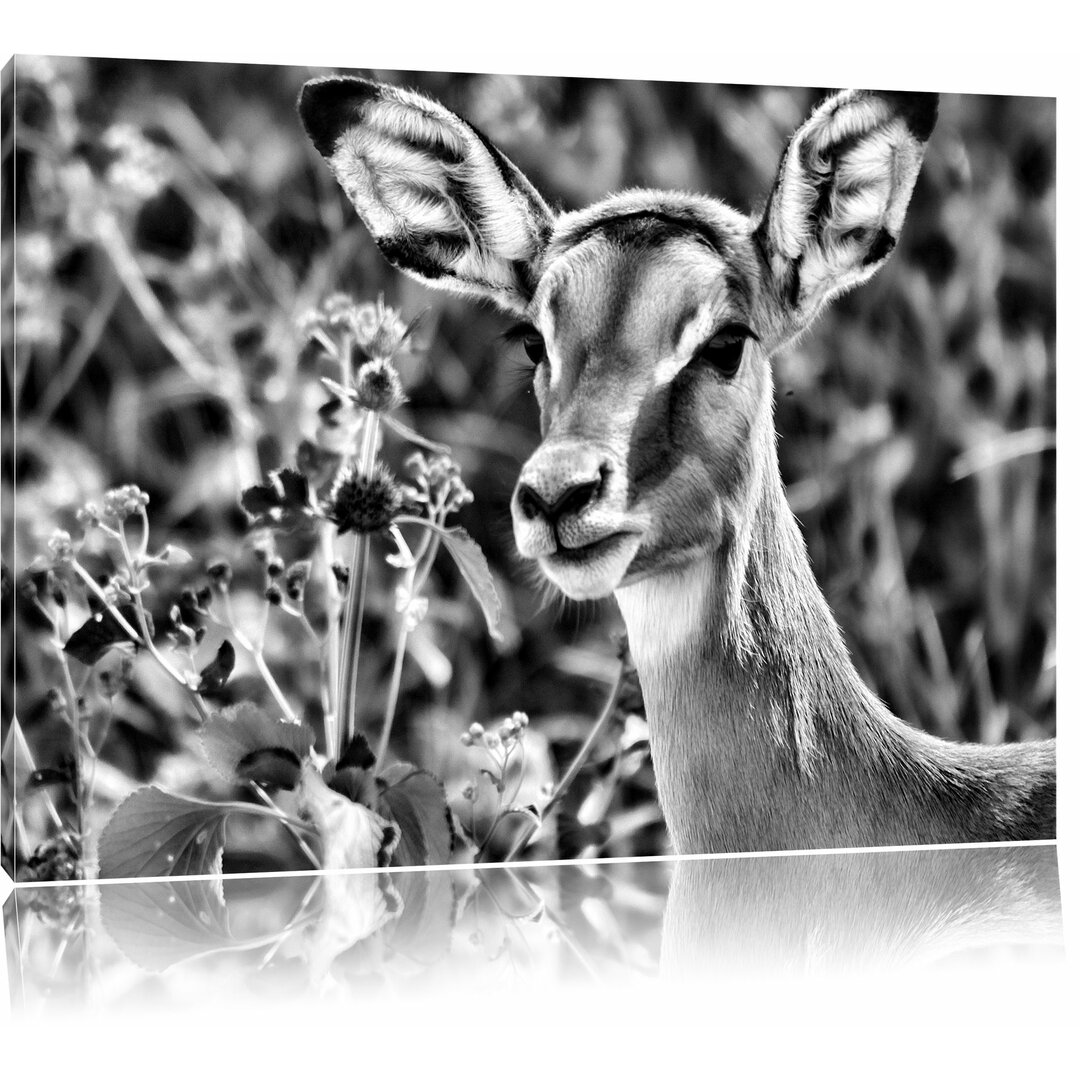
442	203
841	195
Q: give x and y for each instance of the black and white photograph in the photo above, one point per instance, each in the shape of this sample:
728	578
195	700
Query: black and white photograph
439	508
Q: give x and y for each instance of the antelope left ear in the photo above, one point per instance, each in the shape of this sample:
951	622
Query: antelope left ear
841	195
442	203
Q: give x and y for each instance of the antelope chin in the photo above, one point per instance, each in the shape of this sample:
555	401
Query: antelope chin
593	570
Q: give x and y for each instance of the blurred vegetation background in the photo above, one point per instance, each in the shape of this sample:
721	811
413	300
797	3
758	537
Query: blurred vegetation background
167	225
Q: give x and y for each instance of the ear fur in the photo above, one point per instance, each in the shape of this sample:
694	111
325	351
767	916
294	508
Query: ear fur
841	195
442	203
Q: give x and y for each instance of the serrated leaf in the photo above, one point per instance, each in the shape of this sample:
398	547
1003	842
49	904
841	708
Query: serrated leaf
416	802
353	837
424	929
216	674
243	743
354	907
153	833
99	633
160	923
473	565
351	774
357	754
284	500
356	784
260	499
294	488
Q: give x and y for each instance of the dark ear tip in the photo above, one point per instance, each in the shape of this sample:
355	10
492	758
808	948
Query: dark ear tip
328	105
919	110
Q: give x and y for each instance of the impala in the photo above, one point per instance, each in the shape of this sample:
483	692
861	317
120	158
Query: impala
651	318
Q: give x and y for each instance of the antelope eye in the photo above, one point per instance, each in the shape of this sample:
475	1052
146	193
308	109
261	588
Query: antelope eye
534	347
723	351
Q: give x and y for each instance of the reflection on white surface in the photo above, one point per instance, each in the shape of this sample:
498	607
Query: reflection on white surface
362	933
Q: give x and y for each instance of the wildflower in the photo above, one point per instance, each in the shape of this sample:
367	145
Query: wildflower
438	482
412	608
61	548
336	312
341	573
275	567
364	504
273	595
378	387
123	502
296	578
512	728
220	574
388	334
139	169
263	545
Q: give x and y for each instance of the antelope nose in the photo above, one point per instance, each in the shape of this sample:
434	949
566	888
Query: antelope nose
570	499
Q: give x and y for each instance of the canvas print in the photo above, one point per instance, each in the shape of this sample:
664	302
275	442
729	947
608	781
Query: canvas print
417	468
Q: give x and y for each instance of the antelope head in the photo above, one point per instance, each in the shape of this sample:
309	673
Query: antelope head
650	316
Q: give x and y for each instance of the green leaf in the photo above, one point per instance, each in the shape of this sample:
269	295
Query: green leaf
284	500
416	802
159	923
474	569
353	837
423	930
100	633
243	743
216	674
153	833
351	774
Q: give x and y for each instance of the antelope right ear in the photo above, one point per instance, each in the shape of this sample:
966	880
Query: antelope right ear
442	203
841	195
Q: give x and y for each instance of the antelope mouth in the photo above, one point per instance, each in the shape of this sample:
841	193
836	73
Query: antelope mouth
591	570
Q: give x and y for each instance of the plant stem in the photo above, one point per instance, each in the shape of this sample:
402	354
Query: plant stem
75	719
418	575
392	696
142	638
331	659
587	746
285	820
24	747
256	653
357	595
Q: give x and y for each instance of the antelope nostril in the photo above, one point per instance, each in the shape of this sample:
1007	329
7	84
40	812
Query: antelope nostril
532	505
575	498
571	500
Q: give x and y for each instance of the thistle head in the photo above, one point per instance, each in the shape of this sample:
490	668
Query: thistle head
364	504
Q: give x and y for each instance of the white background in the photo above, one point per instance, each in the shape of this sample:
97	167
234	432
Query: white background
876	1028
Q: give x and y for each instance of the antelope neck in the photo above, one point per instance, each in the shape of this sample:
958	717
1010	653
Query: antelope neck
759	722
